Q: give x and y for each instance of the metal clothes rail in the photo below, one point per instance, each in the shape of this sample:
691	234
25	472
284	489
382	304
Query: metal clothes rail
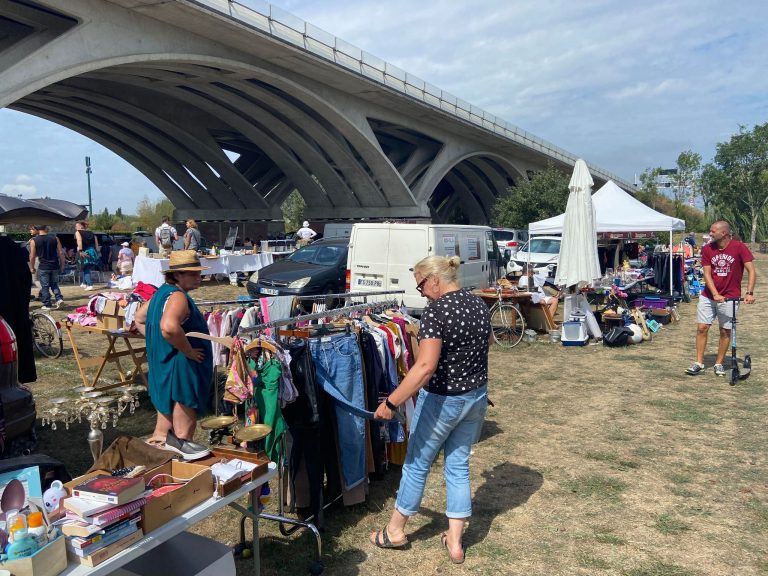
319	315
302	297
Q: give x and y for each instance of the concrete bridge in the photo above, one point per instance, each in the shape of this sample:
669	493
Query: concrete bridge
228	109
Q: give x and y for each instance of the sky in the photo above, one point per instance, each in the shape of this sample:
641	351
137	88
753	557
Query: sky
624	85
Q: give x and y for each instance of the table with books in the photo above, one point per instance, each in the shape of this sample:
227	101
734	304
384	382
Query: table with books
137	512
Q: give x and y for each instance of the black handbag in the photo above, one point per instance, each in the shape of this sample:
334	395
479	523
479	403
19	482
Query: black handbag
617	337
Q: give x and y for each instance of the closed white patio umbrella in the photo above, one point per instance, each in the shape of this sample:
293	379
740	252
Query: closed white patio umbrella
578	263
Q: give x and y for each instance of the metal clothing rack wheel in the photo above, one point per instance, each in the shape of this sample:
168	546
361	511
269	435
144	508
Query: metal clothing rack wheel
316	567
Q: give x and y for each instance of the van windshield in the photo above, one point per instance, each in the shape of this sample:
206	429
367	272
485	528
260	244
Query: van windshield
317	254
543	246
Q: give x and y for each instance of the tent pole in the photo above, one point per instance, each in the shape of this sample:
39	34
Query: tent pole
671	286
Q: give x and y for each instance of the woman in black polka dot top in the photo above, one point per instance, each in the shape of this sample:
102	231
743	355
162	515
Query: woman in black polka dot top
450	376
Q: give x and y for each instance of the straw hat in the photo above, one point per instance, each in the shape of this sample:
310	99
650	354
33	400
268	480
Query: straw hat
184	261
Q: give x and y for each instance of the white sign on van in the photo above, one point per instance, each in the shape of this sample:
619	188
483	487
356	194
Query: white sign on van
473	248
450	246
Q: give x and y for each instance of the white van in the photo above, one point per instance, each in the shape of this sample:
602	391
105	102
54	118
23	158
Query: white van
382	256
337	230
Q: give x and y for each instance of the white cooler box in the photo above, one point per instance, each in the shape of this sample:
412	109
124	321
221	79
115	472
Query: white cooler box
574	332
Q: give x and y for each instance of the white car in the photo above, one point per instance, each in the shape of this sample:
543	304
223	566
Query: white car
509	239
545	251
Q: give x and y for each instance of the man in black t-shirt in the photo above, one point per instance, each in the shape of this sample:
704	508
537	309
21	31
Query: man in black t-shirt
47	248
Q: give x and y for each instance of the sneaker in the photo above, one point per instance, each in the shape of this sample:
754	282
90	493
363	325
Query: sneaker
719	370
695	369
45	308
83	286
59	303
88	288
186	448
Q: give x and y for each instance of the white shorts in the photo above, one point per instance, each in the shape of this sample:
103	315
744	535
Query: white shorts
708	309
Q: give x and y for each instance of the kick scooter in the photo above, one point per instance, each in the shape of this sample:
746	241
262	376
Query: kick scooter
735	373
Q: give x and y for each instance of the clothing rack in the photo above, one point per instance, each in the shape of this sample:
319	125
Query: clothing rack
351	295
216	302
319	315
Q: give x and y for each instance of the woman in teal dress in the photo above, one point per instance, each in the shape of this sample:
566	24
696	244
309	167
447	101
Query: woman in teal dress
180	368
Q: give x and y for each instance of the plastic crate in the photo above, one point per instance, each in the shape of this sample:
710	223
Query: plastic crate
651	302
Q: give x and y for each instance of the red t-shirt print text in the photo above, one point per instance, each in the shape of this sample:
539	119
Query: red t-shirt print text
727	267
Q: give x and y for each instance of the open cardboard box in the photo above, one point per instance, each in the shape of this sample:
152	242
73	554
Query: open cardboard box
50	560
161	509
259	458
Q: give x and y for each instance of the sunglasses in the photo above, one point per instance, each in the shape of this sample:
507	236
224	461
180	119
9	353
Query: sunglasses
420	286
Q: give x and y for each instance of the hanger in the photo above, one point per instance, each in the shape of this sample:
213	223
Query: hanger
223	340
260	343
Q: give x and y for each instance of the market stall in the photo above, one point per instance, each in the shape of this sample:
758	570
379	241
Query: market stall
150	270
616	211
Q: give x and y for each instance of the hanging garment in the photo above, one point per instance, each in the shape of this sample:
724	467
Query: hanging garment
266	387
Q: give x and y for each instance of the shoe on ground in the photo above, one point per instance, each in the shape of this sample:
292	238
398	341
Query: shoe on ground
45	308
695	369
719	370
88	288
59	303
186	448
83	286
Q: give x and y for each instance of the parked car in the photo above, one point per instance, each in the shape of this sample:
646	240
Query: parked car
17	405
68	240
544	253
510	239
318	268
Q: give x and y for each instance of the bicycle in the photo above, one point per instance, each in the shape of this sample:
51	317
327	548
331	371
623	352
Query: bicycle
46	334
507	322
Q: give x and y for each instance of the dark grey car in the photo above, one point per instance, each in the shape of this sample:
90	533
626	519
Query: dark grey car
318	268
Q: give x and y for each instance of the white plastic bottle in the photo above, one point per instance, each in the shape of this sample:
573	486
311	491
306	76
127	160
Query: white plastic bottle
36	529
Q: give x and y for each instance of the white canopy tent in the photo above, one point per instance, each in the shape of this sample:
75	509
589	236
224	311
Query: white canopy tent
617	211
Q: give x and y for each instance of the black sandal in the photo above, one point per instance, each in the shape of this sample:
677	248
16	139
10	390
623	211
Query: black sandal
384	541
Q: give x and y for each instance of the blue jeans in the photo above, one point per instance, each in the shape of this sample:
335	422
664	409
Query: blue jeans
49	282
452	423
338	365
87	274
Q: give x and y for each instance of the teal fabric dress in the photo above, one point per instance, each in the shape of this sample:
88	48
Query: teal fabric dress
172	376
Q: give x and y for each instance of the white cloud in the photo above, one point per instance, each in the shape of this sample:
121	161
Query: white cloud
23	178
25	190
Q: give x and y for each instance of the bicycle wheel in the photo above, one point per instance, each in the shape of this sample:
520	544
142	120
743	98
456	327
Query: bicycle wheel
46	335
507	324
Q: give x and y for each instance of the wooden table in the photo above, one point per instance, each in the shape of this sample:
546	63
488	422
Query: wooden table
537	316
137	354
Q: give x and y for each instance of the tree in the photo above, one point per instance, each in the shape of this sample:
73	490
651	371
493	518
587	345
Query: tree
293	211
103	221
119	213
543	196
149	214
649	192
743	187
687	178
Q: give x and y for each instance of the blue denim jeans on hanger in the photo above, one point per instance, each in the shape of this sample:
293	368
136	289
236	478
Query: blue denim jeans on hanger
338	365
49	280
452	423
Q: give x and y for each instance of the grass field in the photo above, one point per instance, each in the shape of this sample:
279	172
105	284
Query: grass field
593	461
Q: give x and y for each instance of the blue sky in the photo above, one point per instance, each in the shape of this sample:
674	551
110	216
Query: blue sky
624	85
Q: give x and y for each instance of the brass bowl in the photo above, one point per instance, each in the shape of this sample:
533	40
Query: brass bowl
60	400
252	433
216	422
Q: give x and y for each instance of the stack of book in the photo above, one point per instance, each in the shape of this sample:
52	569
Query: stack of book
102	517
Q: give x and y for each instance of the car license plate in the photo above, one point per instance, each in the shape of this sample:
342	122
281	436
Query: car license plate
369	282
270	291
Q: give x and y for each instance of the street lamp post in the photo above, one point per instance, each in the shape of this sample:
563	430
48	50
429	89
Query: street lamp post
88	175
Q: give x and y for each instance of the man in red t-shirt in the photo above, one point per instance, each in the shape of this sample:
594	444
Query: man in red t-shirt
724	260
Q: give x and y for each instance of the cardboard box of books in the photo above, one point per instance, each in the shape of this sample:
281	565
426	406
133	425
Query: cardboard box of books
179	487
